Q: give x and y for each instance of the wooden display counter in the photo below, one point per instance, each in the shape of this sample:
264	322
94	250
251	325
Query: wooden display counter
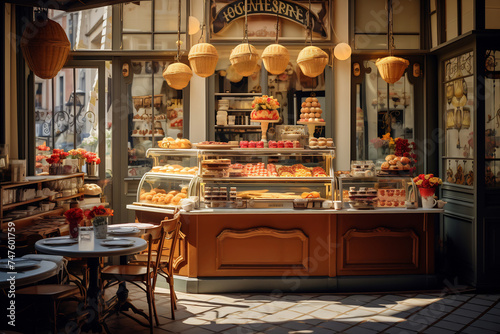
226	250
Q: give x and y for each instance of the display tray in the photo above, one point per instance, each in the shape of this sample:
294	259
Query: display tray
274	150
215	146
270	203
163	206
397	172
363	205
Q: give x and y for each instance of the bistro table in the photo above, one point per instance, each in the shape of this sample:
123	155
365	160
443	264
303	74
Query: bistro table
92	251
43	270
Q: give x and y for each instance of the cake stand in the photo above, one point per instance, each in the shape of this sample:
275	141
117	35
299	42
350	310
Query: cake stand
311	126
264	123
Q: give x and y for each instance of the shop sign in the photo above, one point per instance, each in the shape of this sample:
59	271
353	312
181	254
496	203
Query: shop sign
289	10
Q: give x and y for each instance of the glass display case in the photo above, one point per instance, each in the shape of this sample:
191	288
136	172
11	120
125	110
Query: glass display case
238	178
391	192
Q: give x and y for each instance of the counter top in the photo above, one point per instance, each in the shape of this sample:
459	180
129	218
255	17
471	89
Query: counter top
284	211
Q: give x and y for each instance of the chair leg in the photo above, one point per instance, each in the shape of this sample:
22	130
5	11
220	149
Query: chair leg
148	296
154	307
172	291
54	305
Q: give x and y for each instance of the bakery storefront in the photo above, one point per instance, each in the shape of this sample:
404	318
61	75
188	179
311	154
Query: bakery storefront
310	145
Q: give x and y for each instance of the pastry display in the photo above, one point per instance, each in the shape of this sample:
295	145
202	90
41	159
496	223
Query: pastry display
172	143
161	197
391	198
362	198
265	109
265	194
175	169
321	142
395	164
363	168
215	168
311	110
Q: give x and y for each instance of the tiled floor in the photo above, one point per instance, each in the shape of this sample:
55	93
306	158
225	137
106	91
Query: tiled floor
321	313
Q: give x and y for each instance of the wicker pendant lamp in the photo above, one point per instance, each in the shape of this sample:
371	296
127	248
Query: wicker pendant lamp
275	56
311	59
178	74
391	68
244	57
45	47
203	57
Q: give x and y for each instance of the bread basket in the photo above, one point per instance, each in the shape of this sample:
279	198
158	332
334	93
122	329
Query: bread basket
275	58
177	75
312	61
203	59
244	58
391	68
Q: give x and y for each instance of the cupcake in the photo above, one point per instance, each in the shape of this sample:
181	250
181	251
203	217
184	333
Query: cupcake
281	144
260	144
252	144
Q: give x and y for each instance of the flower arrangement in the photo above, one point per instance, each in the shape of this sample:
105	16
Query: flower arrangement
403	148
265	102
98	211
57	156
427	181
74	215
91	157
386	142
79	153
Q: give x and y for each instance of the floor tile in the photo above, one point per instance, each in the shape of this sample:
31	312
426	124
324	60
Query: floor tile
455	326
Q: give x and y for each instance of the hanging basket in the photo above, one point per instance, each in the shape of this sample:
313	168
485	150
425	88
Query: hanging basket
391	68
203	59
275	58
244	58
45	48
312	61
177	75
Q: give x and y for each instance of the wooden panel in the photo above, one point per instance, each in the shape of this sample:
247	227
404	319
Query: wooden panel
492	246
378	249
269	249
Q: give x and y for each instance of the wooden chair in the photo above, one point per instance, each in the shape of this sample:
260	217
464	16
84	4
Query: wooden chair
137	274
171	229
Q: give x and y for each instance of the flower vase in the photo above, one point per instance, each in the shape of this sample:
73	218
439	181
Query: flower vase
73	228
91	169
81	162
55	169
427	195
100	224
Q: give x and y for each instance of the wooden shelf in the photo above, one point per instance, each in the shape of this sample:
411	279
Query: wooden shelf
68	197
41	214
13	205
46	178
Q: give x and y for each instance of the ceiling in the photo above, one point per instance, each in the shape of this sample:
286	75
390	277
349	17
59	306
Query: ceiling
67	5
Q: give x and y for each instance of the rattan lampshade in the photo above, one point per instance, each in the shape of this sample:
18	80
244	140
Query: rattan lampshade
177	75
275	58
391	68
45	48
244	58
203	59
312	61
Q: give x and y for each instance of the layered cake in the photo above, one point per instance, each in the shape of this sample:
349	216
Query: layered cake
265	108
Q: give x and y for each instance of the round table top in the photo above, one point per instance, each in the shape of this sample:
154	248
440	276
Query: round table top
92	248
43	270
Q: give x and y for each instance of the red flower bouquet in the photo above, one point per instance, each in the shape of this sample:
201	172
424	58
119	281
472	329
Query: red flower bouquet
403	148
98	211
91	157
427	184
74	216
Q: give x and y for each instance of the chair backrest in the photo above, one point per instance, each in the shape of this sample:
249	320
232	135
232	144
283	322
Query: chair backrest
171	228
155	244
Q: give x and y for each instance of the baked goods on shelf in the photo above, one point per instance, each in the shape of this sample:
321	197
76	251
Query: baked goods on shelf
311	110
264	115
396	164
175	169
265	194
161	197
320	142
391	198
169	142
91	189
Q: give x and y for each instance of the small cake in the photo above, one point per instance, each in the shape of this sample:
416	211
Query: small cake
252	144
288	144
260	144
322	142
329	142
244	144
273	144
281	144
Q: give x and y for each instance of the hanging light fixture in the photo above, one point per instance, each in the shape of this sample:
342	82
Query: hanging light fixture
244	57
311	59
391	68
178	74
203	57
45	47
342	51
276	56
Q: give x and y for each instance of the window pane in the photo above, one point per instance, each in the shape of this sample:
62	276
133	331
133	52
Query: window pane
64	117
406	15
166	15
451	19
467	15
167	41
370	16
136	42
370	41
407	42
433	5
137	17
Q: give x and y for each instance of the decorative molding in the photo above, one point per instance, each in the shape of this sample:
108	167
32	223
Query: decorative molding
367	250
272	249
182	248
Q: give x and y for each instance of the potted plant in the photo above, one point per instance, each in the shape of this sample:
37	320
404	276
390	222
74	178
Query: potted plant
99	218
74	216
